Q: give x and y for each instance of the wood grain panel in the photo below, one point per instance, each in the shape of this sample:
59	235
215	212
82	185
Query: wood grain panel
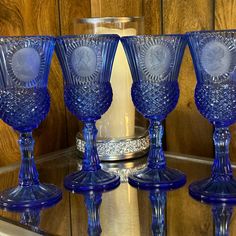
152	16
186	130
225	18
103	8
33	17
69	11
225	12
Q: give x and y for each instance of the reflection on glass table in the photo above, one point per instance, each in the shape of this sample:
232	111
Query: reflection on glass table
29	217
221	214
125	210
93	202
158	203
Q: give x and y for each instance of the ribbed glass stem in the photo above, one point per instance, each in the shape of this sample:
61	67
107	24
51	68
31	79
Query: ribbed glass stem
30	217
91	159
222	167
222	216
28	173
158	202
93	201
156	158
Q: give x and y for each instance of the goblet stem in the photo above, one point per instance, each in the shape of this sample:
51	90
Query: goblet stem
31	217
156	158
28	173
93	201
158	202
222	215
156	174
29	193
91	177
221	186
91	159
221	166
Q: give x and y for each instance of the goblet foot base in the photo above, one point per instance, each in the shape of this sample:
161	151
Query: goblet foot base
34	196
148	178
98	180
214	191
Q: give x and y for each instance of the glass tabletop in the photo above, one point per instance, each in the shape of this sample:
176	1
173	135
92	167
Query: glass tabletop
124	211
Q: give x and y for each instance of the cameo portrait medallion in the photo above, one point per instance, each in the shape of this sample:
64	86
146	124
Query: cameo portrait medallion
216	58
156	60
26	64
84	61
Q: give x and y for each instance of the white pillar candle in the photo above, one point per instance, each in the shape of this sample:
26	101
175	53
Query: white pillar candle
119	120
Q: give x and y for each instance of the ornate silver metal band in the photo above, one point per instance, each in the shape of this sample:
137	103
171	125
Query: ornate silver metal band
120	149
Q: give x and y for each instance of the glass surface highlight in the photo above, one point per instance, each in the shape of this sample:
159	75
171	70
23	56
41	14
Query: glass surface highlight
214	57
154	62
222	216
158	203
24	104
86	62
93	200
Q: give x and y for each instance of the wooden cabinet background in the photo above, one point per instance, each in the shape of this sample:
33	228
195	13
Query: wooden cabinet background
186	130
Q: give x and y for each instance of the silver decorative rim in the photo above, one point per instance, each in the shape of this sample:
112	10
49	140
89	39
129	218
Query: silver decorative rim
95	20
123	169
120	149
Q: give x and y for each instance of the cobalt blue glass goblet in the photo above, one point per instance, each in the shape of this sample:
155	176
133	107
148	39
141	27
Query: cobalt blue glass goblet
24	104
86	62
154	62
214	57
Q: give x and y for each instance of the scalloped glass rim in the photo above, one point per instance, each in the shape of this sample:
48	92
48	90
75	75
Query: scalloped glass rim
183	36
34	37
84	36
210	31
